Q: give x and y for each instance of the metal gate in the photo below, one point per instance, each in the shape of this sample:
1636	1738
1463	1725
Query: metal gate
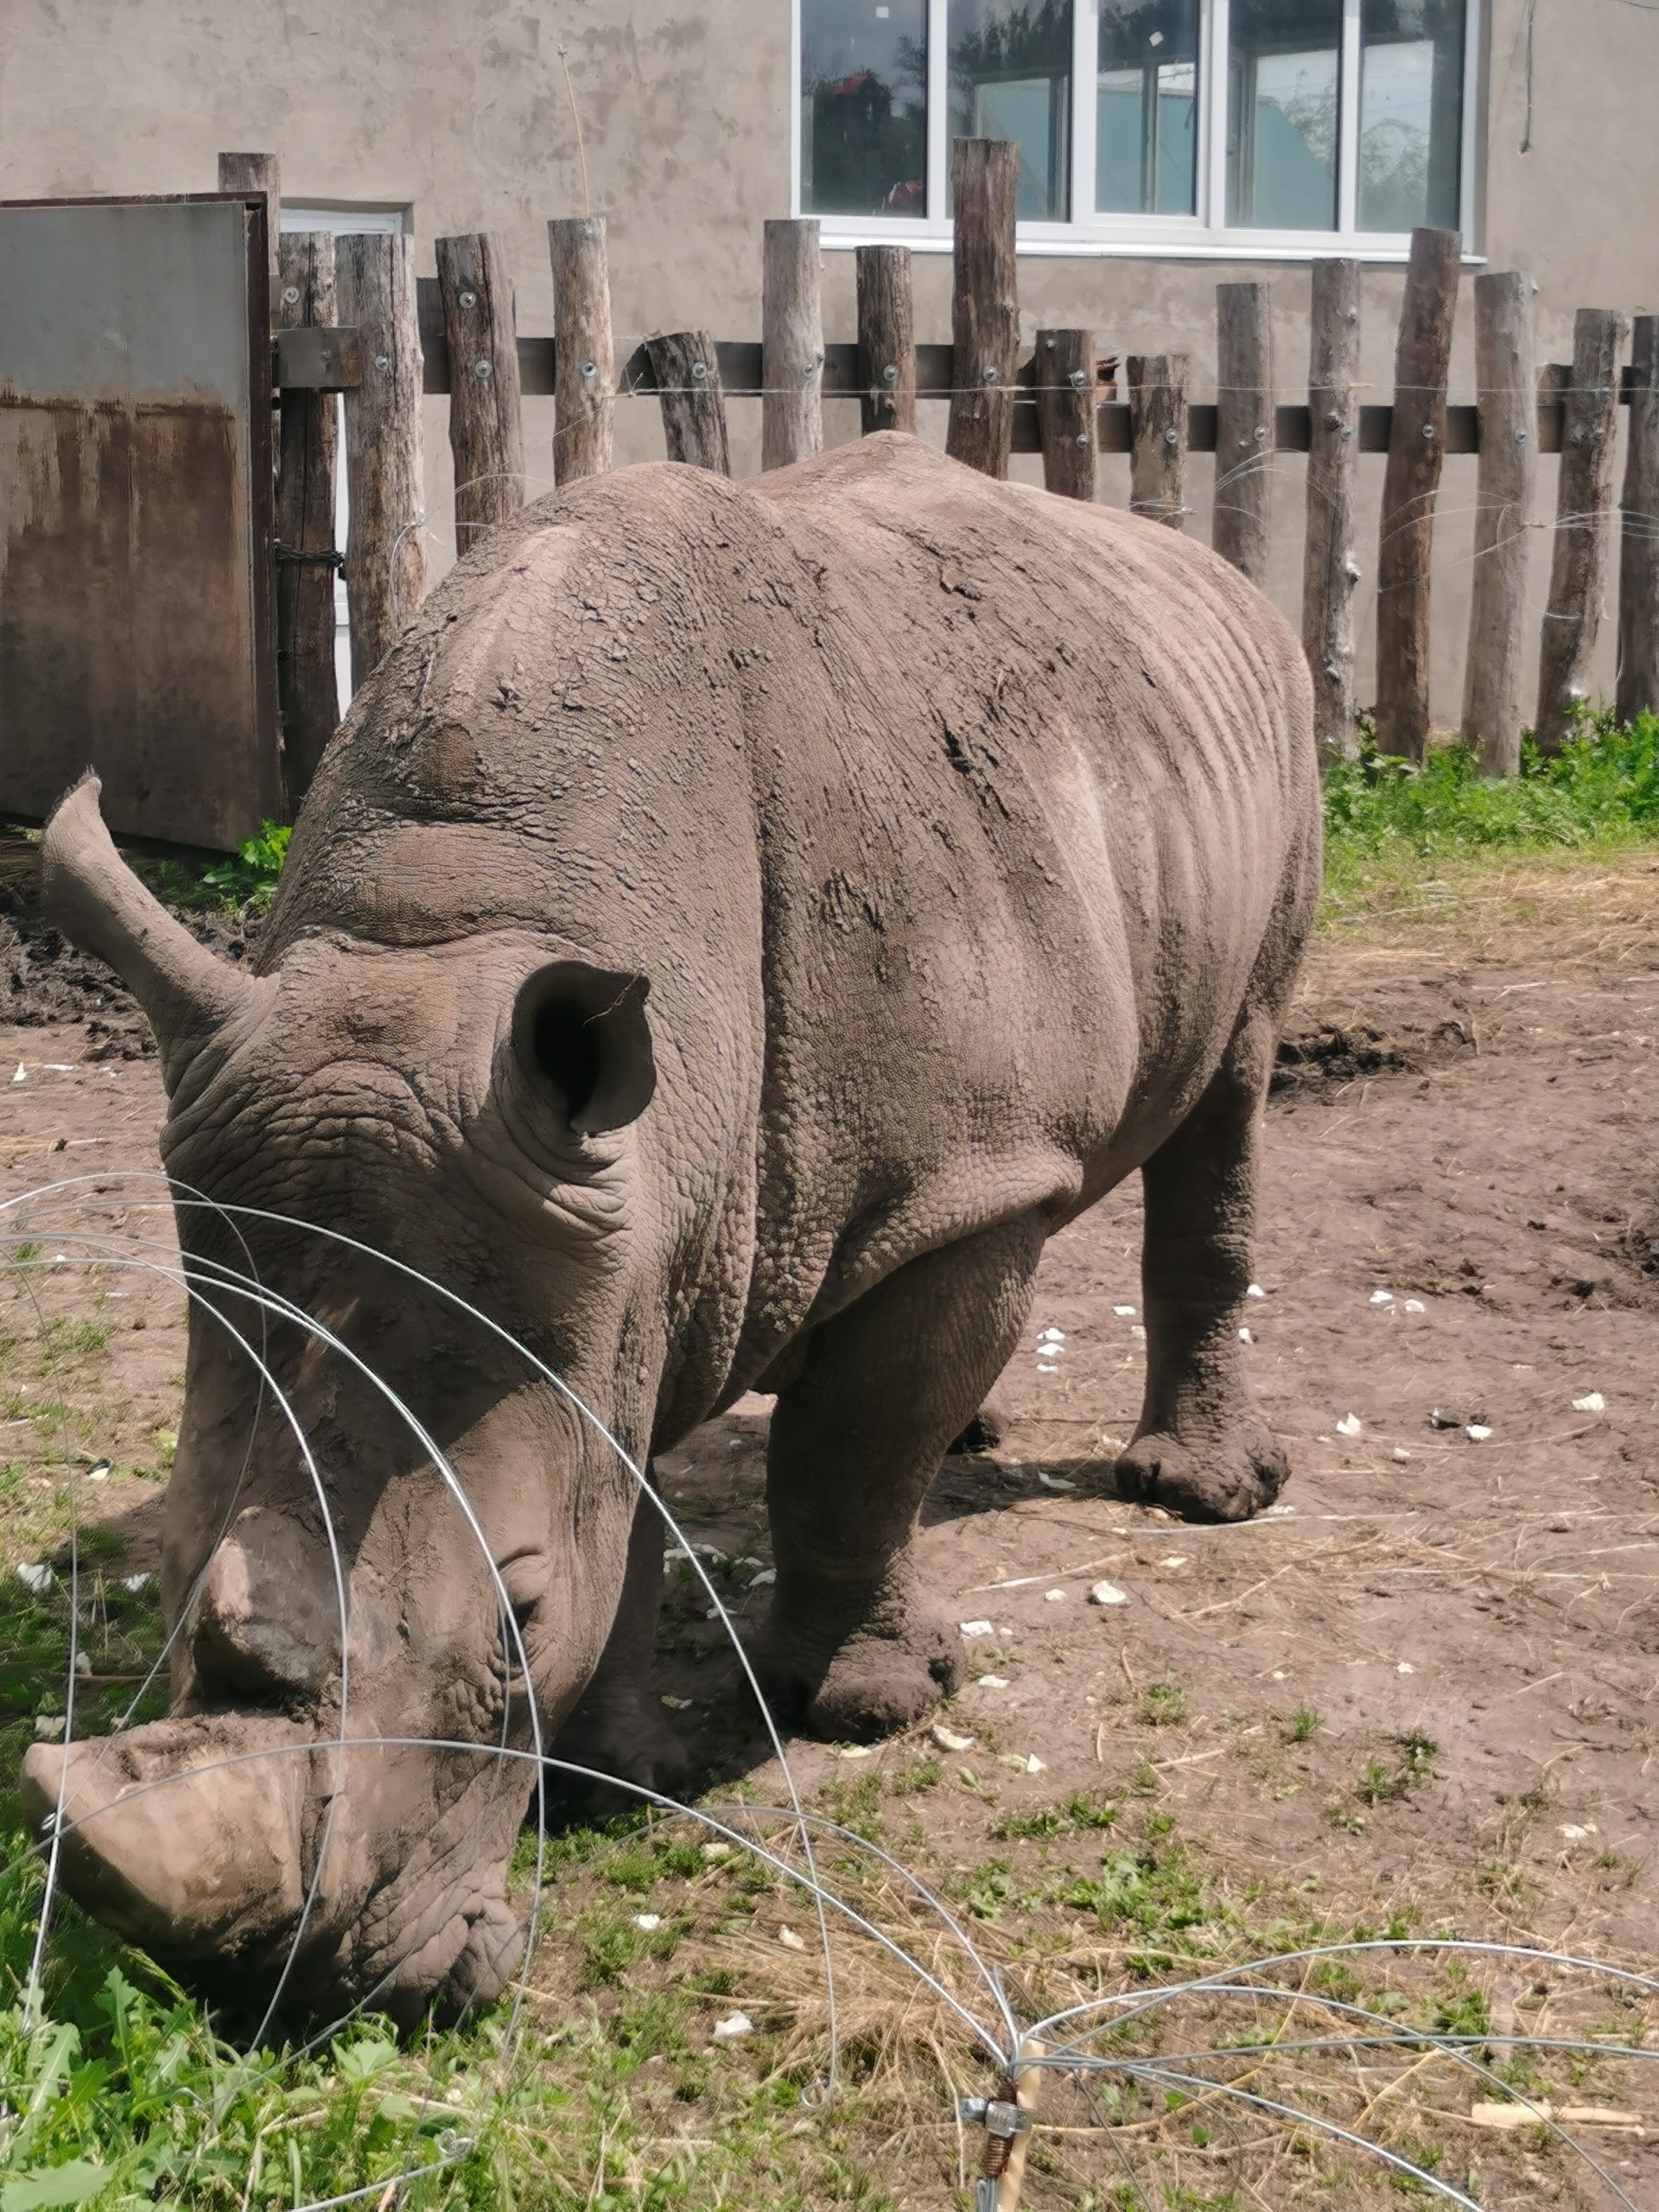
135	602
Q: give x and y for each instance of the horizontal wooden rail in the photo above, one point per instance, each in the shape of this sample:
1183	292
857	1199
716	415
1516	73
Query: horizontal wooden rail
331	360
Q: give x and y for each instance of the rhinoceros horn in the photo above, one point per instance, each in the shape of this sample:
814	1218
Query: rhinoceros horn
91	895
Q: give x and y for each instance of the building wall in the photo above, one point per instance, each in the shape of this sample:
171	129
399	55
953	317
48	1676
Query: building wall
459	109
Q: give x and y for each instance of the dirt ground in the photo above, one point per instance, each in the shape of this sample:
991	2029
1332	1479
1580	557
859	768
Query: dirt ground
1458	1594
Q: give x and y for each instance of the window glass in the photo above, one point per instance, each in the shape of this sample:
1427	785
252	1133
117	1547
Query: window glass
1011	78
863	107
1410	113
1281	127
1146	101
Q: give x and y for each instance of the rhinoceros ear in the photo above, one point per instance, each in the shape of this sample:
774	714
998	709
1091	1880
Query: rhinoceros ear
583	1032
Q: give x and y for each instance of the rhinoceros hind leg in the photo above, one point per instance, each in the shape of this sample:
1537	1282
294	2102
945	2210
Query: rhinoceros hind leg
988	1427
617	1728
1200	1448
853	1647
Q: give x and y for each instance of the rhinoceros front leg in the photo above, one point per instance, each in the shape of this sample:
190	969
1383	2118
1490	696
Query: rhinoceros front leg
617	1727
1200	1448
853	1646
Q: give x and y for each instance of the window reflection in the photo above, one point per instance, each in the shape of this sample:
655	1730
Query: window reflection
863	107
1145	102
1410	113
1011	78
1281	138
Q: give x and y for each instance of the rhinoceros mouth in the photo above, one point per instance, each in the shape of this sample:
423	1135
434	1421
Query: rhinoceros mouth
240	1851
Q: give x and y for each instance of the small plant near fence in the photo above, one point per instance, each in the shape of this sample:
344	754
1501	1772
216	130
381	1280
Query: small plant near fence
1386	822
245	883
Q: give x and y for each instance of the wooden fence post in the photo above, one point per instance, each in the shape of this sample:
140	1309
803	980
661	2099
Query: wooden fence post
984	304
584	359
308	685
887	340
385	555
486	433
1158	390
1330	570
256	173
791	343
1416	446
1638	571
1245	426
1578	574
687	370
1067	407
1507	385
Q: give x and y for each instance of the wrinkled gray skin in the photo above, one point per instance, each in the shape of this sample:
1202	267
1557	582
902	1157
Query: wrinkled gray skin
965	840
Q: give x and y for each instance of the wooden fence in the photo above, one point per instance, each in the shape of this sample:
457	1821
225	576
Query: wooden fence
357	320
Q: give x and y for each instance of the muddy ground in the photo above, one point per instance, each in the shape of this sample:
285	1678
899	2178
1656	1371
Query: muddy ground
1459	1595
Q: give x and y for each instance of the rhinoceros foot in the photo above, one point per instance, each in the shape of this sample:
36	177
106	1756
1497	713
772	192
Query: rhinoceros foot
882	1678
988	1428
622	1734
1223	1478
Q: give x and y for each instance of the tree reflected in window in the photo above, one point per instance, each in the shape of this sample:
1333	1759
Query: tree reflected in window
1145	107
863	107
1410	113
1282	131
1011	78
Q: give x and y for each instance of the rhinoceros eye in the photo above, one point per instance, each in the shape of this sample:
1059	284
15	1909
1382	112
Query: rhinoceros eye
580	1034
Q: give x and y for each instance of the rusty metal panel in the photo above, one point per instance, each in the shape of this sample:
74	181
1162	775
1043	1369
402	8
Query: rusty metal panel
135	513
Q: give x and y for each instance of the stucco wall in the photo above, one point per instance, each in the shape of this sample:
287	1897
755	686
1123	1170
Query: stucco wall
458	108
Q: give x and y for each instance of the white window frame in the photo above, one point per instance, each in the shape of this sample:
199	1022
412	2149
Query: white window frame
1205	236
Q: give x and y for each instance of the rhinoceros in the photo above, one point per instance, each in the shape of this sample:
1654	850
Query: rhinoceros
735	927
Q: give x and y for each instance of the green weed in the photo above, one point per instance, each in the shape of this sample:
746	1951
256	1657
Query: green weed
1164	1704
1384	819
1084	1809
244	882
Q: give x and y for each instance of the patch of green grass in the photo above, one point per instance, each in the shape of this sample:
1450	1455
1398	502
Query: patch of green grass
1084	1810
1164	1704
925	1774
70	1338
855	1806
1385	821
1302	1723
1458	2008
246	882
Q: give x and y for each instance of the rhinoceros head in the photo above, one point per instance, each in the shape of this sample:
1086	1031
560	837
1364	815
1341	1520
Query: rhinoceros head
381	1513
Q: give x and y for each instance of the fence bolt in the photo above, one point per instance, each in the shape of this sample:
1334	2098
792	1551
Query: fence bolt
890	374
1519	438
1082	438
1259	433
1347	429
1428	430
469	299
699	371
383	361
1077	380
1171	436
590	369
483	372
290	295
988	374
